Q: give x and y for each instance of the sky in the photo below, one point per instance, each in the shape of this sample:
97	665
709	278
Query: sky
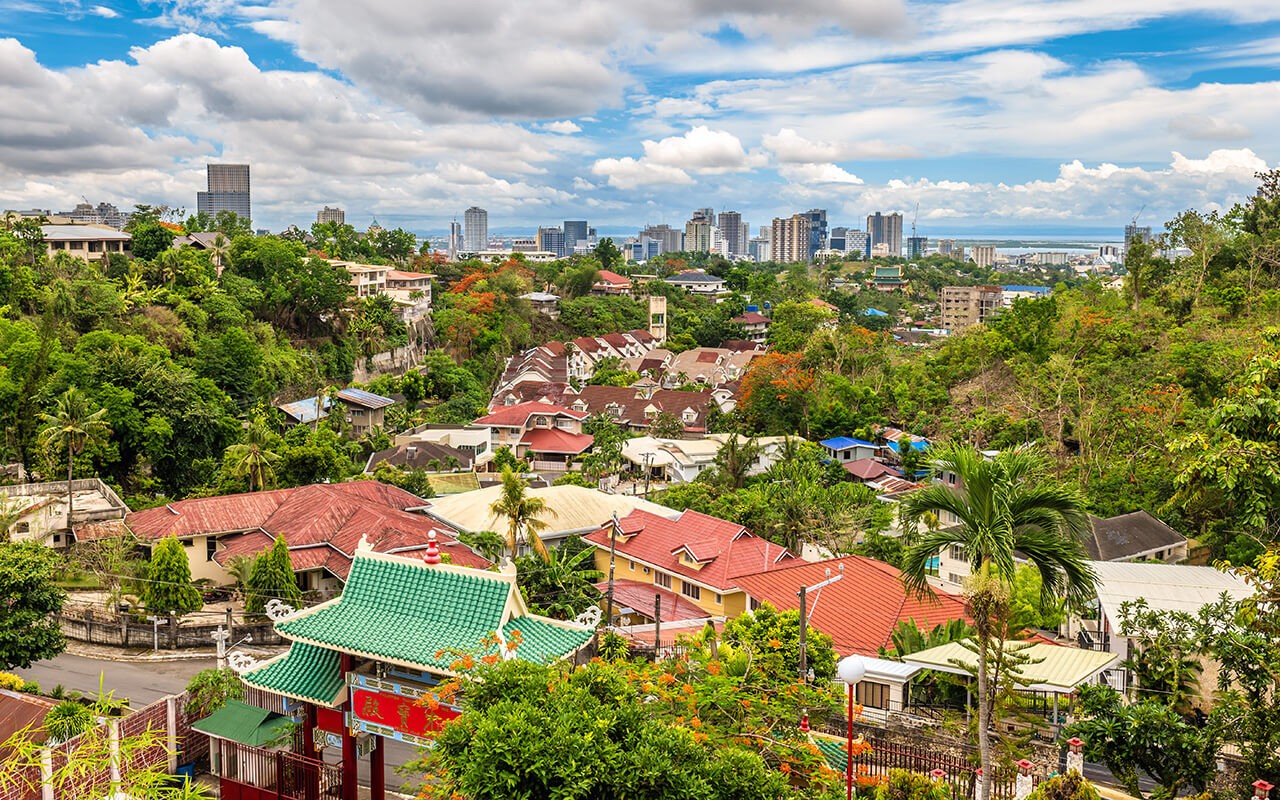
1027	117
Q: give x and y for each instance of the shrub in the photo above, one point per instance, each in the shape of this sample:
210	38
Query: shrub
67	720
210	689
11	682
904	785
1065	787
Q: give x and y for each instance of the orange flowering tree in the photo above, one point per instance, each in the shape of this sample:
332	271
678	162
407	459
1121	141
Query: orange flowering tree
708	725
777	390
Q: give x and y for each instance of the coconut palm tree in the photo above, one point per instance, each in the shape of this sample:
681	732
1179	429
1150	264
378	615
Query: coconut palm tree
253	458
10	513
522	513
735	457
75	425
1003	506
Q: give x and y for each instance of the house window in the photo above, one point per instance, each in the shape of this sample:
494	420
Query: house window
57	538
210	547
954	578
872	694
541	422
719	599
632	565
957	553
24	527
661	579
646	570
691	590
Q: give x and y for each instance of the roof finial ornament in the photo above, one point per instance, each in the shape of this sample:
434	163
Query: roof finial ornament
363	544
433	550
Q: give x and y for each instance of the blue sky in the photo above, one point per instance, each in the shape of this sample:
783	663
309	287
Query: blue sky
1018	116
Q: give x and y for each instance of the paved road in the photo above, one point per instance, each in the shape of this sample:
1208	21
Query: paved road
141	683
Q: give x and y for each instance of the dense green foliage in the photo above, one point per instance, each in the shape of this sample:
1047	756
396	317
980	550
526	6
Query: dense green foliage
168	589
210	689
29	602
271	578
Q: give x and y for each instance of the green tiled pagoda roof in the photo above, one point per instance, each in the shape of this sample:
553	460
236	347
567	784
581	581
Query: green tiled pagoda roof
403	611
306	672
833	751
542	640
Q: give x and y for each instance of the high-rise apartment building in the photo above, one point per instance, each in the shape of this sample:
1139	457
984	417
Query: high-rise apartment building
672	239
946	247
101	214
705	215
228	190
837	239
966	306
984	255
817	229
454	244
760	249
697	233
552	240
916	246
790	239
475	230
575	233
858	242
327	214
734	232
886	229
1054	258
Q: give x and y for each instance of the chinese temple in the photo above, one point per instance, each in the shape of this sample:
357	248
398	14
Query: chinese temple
368	665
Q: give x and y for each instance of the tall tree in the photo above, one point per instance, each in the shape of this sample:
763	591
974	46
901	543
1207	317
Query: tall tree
29	602
169	589
74	424
253	458
272	577
735	457
522	512
1002	506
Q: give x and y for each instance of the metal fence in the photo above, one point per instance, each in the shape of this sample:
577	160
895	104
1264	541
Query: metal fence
958	773
94	625
254	773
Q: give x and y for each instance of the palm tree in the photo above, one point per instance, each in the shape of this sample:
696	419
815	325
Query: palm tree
253	458
1003	507
563	586
73	425
522	512
735	457
10	513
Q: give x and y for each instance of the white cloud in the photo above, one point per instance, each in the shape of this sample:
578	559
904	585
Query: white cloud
703	150
1202	126
629	173
582	184
563	126
817	173
104	12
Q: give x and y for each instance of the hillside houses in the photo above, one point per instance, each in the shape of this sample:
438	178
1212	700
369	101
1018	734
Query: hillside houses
635	408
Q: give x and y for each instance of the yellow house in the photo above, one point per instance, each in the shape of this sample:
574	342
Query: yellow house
688	562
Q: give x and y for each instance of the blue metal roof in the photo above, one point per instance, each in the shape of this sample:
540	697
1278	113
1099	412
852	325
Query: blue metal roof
366	399
304	410
1036	289
874	312
843	443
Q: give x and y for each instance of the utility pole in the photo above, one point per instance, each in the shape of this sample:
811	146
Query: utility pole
804	634
657	625
613	546
648	461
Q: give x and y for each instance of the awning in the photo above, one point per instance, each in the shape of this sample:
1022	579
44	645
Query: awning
1051	668
243	723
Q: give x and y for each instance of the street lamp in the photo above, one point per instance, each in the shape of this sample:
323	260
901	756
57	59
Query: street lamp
851	670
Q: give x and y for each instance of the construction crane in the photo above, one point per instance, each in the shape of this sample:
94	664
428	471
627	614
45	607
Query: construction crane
1134	223
915	217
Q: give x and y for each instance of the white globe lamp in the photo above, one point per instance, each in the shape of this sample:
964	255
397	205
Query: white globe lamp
852	669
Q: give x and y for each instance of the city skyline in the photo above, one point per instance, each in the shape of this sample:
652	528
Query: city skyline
991	116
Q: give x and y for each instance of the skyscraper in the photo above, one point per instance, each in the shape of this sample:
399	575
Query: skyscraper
916	246
858	242
886	229
984	255
552	240
475	227
790	239
672	239
734	232
697	233
705	215
817	229
455	238
228	190
575	233
1140	232
327	214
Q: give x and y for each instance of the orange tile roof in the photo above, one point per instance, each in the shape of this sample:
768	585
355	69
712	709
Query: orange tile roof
729	549
860	610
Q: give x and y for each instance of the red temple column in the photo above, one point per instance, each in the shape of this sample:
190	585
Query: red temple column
377	772
350	765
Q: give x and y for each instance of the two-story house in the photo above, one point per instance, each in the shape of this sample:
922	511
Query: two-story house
412	293
696	282
755	324
843	449
365	410
86	242
608	282
689	562
635	408
553	433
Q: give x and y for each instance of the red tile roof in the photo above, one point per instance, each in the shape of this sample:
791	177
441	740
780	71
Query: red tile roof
612	278
517	416
337	515
401	275
860	610
730	548
639	597
751	318
549	440
869	469
631	403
